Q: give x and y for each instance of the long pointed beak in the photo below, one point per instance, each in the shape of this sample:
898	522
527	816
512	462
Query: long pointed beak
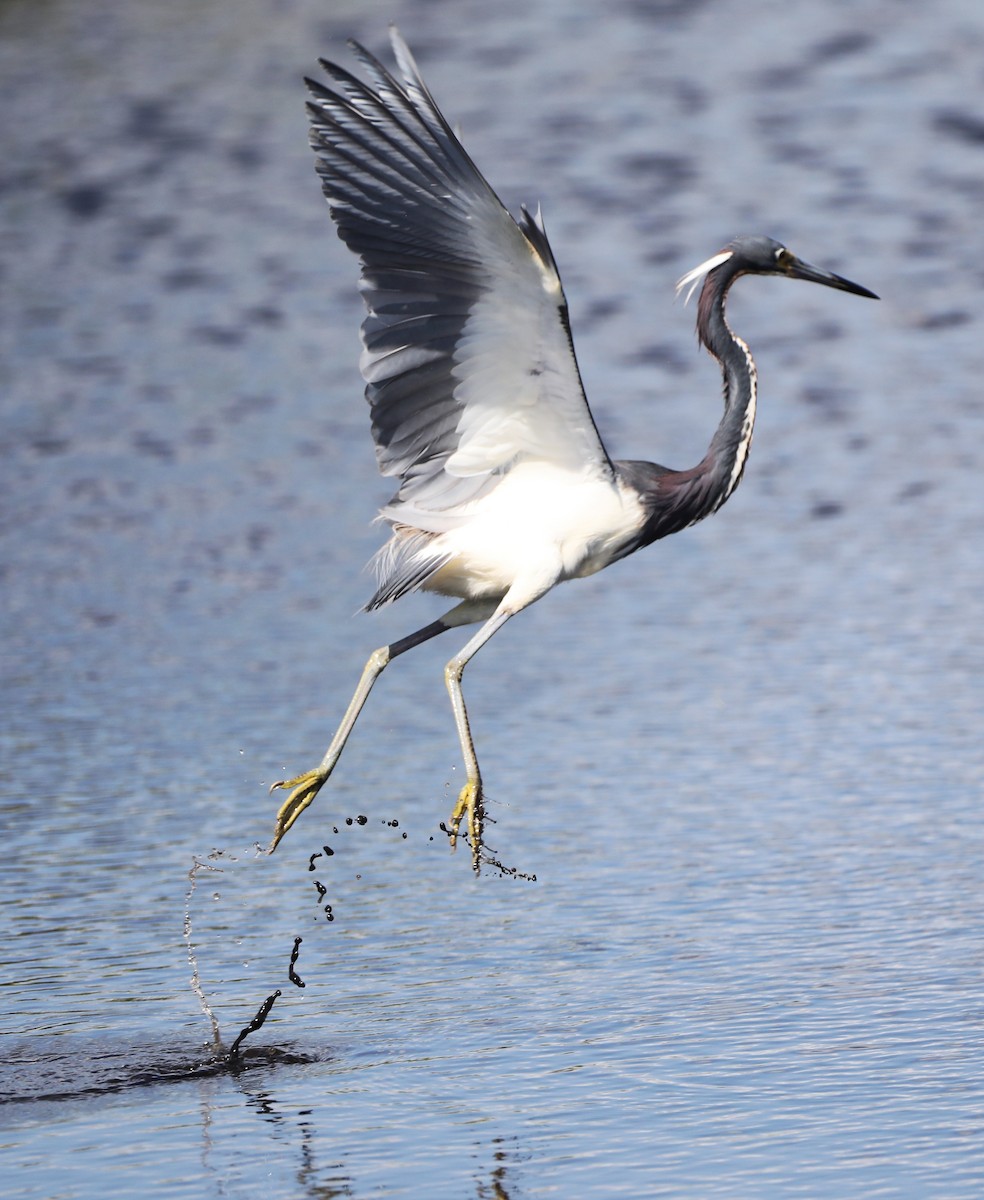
798	269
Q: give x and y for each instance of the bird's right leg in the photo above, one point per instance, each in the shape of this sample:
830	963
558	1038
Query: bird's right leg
305	787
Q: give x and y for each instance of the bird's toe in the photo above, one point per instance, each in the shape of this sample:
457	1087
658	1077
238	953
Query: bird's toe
303	789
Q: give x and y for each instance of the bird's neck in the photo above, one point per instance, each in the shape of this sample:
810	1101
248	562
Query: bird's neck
677	499
724	463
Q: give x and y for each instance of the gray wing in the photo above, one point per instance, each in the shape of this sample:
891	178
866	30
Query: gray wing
467	354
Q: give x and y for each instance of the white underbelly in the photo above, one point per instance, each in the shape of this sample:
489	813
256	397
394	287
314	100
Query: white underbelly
541	522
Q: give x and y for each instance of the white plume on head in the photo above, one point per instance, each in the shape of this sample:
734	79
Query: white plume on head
694	277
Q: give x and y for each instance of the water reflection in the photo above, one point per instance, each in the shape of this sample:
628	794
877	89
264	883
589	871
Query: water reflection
320	1182
311	1130
303	1140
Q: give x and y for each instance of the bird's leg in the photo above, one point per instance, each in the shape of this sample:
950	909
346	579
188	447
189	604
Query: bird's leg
470	797
305	787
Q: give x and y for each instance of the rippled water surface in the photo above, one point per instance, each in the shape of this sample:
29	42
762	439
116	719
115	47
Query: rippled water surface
737	945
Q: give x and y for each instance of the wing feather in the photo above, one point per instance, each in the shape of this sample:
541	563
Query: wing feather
467	353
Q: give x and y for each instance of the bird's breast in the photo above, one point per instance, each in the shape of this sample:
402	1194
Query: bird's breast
541	521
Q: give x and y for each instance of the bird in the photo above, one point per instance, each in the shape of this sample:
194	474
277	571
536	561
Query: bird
505	487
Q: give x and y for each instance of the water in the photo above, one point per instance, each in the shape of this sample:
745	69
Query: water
743	767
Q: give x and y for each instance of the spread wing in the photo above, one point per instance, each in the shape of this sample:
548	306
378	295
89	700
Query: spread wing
468	358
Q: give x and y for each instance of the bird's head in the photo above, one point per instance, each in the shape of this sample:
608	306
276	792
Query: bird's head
763	256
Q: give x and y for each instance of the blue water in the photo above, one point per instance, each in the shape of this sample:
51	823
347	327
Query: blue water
738	777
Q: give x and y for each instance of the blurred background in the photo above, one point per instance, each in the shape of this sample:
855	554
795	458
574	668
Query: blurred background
744	766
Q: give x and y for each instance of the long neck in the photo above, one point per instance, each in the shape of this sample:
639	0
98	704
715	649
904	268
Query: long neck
676	499
722	466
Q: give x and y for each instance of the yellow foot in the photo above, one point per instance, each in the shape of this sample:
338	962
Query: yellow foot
470	802
304	789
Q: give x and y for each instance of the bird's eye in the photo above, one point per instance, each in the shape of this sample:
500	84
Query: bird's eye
783	258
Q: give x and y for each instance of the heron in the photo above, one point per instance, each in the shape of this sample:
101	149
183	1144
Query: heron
505	488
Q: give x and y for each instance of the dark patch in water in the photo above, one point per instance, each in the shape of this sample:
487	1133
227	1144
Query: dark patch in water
789	75
85	200
960	125
916	489
75	1069
663	174
656	354
185	278
152	445
690	96
247	156
600	310
264	314
146	119
841	45
826	401
148	228
657	11
943	320
50	444
502	56
218	335
245	406
93	619
149	121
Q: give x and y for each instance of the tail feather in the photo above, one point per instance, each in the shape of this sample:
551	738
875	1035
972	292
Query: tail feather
404	564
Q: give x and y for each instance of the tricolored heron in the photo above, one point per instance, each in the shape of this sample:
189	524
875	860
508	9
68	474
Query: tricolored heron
506	488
